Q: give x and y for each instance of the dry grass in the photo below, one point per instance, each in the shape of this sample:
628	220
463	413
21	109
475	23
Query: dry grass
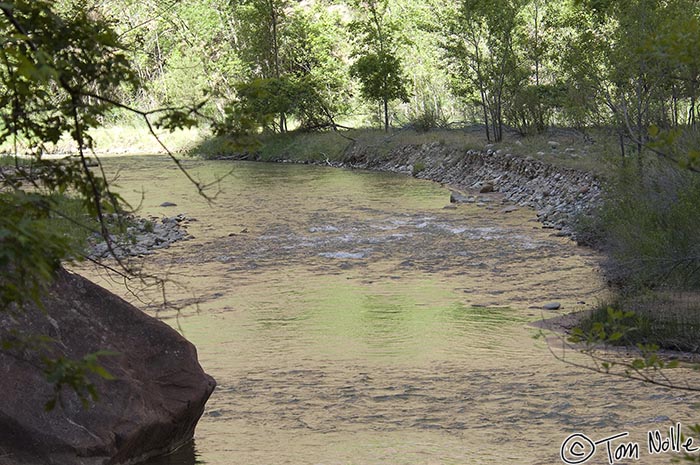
120	139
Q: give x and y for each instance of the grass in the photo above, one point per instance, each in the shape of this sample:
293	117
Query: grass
666	319
648	226
9	161
596	151
116	139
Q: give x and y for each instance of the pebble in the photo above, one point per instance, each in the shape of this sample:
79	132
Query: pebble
144	236
552	306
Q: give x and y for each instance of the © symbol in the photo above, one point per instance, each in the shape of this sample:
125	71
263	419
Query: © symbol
577	448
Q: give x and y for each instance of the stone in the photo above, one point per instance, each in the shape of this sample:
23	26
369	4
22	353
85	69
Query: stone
150	408
552	306
458	197
509	209
553	144
168	204
486	188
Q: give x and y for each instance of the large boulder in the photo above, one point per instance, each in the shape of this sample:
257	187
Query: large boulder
150	408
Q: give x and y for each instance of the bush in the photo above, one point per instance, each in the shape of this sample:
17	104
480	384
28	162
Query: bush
418	167
427	120
651	229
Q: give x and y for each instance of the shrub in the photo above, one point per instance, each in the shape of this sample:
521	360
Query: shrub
418	167
650	229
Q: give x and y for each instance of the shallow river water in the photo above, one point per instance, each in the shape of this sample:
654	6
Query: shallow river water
349	318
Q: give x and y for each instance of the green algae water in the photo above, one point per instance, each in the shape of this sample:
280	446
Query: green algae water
349	318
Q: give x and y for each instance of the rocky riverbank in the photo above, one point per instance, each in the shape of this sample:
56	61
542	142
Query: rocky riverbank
142	236
558	195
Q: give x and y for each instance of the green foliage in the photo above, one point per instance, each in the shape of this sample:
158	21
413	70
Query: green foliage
381	77
532	107
261	101
610	326
31	248
418	167
427	120
61	69
49	84
607	326
74	374
479	45
377	65
649	229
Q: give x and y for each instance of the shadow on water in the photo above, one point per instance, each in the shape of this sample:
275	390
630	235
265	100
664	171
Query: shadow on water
185	455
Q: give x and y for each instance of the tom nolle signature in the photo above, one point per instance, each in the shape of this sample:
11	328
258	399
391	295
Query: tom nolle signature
579	448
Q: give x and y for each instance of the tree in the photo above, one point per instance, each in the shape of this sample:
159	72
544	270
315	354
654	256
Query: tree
60	73
260	26
292	70
377	66
479	44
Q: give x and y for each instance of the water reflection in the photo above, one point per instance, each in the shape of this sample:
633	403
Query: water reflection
185	455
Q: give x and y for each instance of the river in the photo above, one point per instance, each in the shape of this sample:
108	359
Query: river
349	318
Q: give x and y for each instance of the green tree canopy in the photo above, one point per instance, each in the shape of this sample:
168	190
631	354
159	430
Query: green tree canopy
377	65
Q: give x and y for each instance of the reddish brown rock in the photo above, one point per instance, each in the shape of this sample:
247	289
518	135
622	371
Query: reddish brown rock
151	408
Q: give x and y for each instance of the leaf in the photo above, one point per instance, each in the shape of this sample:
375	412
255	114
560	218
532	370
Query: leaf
102	372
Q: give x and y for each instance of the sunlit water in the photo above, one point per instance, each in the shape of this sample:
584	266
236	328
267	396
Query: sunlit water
349	318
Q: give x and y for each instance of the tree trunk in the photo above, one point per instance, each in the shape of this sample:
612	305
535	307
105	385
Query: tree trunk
622	148
386	115
484	107
276	57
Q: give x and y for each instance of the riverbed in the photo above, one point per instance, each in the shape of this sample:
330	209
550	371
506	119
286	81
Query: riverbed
350	318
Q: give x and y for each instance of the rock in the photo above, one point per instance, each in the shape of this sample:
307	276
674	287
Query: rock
486	188
449	207
458	197
144	234
509	209
151	408
553	144
552	306
168	204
